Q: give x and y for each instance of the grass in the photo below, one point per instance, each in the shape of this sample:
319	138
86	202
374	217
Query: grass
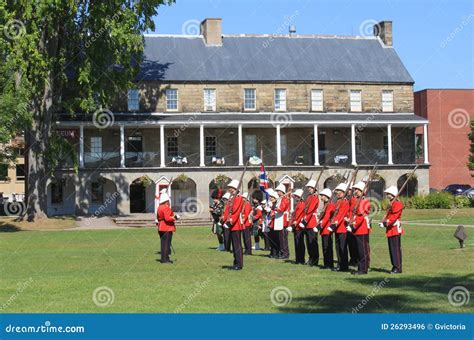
58	272
11	224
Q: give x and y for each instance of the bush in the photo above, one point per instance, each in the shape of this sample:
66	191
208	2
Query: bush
462	202
436	200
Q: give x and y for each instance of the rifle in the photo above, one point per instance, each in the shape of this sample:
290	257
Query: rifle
336	211
230	202
370	178
398	194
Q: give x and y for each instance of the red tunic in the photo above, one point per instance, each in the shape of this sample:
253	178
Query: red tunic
352	203
258	216
298	215
360	218
342	206
394	214
326	217
232	212
284	207
165	217
311	207
245	214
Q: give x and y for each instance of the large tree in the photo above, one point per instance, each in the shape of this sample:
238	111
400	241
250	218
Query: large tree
64	56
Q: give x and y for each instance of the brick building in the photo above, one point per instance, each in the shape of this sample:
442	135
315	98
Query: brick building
449	112
204	105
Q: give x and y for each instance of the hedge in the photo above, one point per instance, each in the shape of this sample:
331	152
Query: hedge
436	200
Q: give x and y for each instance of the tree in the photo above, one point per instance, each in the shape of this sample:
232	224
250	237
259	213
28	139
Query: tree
64	56
471	138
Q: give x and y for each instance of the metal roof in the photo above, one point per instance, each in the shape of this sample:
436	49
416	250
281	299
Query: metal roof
268	58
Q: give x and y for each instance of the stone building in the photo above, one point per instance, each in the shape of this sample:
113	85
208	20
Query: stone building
204	105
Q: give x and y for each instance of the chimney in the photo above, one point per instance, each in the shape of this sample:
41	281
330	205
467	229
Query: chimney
292	30
211	30
383	30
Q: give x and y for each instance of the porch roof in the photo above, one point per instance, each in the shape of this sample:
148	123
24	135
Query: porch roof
286	119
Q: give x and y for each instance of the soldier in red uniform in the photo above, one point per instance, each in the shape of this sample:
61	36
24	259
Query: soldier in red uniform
326	235
338	225
232	221
282	212
247	224
274	237
393	229
298	231
309	223
351	239
359	227
257	223
166	227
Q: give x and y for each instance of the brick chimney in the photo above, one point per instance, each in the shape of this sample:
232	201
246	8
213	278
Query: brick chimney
384	30
211	30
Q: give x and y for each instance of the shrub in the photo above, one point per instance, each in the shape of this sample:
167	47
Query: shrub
462	202
439	200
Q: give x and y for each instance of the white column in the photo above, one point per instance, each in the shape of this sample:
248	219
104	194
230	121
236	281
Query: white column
122	146
425	143
353	144
201	145
241	153
389	143
316	145
81	146
162	146
278	144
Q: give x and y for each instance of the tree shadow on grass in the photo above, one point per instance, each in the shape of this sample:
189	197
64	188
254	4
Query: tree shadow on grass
8	228
415	294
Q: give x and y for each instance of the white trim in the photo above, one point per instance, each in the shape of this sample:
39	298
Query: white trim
162	146
122	146
425	144
278	145
241	151
201	145
316	144
353	145
81	146
389	144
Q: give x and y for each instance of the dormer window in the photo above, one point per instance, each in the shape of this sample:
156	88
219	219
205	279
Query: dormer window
133	100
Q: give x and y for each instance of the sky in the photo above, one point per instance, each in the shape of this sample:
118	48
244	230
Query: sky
434	38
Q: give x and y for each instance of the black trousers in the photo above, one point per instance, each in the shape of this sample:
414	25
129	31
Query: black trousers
236	237
266	239
395	248
353	248
299	246
283	240
328	253
364	252
227	241
274	243
165	238
247	233
341	251
312	245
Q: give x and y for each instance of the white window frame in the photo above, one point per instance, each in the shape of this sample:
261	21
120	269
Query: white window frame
207	146
254	108
96	145
168	100
250	141
387	103
283	145
209	100
133	100
279	100
314	106
355	103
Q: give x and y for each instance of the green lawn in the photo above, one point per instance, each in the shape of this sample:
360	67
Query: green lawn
46	271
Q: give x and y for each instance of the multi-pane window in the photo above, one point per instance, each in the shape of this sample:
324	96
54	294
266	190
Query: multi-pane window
250	99
358	143
56	193
172	146
97	192
20	172
3	172
356	100
172	99
317	100
385	143
211	145
280	100
387	101
96	145
209	100
133	100
283	145
250	145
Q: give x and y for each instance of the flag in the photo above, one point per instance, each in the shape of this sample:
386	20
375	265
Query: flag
263	181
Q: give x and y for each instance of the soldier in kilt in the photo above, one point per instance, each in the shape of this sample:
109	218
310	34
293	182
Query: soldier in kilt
218	204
